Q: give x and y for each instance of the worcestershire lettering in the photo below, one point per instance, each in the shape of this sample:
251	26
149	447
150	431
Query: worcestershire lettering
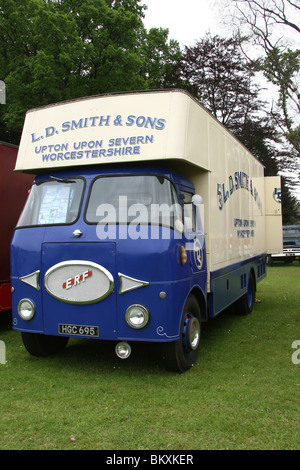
60	156
93	148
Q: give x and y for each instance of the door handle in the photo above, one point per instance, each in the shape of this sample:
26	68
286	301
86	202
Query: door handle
77	233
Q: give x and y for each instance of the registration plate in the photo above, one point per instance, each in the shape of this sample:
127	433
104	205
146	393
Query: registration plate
78	330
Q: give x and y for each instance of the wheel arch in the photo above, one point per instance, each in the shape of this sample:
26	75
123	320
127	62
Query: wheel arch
197	292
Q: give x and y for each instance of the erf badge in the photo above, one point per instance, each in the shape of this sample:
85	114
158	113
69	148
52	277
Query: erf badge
277	195
198	255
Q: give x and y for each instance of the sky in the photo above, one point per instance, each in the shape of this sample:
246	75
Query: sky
187	20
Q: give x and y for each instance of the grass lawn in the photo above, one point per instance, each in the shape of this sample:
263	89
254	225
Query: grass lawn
243	392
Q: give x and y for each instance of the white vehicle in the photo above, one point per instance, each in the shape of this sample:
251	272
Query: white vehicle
291	245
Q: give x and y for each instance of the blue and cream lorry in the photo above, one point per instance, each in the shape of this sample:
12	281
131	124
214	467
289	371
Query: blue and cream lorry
146	218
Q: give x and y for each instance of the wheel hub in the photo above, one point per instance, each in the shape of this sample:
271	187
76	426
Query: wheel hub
190	333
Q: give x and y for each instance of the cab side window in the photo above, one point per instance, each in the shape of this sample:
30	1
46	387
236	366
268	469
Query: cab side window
189	213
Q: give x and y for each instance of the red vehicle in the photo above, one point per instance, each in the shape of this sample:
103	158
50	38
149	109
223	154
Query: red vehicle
14	189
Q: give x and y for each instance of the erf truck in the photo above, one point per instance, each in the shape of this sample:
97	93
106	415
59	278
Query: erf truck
147	218
13	193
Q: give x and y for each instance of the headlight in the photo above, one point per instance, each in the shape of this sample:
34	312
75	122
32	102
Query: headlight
26	309
137	316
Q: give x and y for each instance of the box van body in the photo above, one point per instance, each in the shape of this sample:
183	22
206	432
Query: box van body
146	218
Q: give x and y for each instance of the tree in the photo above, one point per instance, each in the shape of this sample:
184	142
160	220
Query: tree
274	25
52	51
109	36
37	48
218	75
55	50
281	68
161	58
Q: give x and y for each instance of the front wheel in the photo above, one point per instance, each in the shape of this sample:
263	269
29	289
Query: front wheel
43	345
181	355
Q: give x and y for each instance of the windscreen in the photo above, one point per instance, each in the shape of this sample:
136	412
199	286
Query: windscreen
291	232
52	202
124	199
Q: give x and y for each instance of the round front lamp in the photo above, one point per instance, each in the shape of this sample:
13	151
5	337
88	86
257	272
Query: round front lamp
137	316
26	309
123	350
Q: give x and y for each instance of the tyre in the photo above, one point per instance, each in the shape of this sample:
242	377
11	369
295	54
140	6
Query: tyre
43	345
181	355
246	303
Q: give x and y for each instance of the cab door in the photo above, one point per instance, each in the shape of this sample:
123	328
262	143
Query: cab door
193	233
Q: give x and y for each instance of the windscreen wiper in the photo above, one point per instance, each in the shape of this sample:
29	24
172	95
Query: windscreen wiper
62	180
55	178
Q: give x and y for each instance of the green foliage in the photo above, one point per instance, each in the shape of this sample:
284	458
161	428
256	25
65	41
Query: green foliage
294	138
58	50
37	56
259	135
161	58
282	69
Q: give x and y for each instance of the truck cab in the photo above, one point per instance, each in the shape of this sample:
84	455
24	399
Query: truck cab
113	255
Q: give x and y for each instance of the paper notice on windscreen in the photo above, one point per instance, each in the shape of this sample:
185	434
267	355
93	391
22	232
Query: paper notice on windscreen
55	204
